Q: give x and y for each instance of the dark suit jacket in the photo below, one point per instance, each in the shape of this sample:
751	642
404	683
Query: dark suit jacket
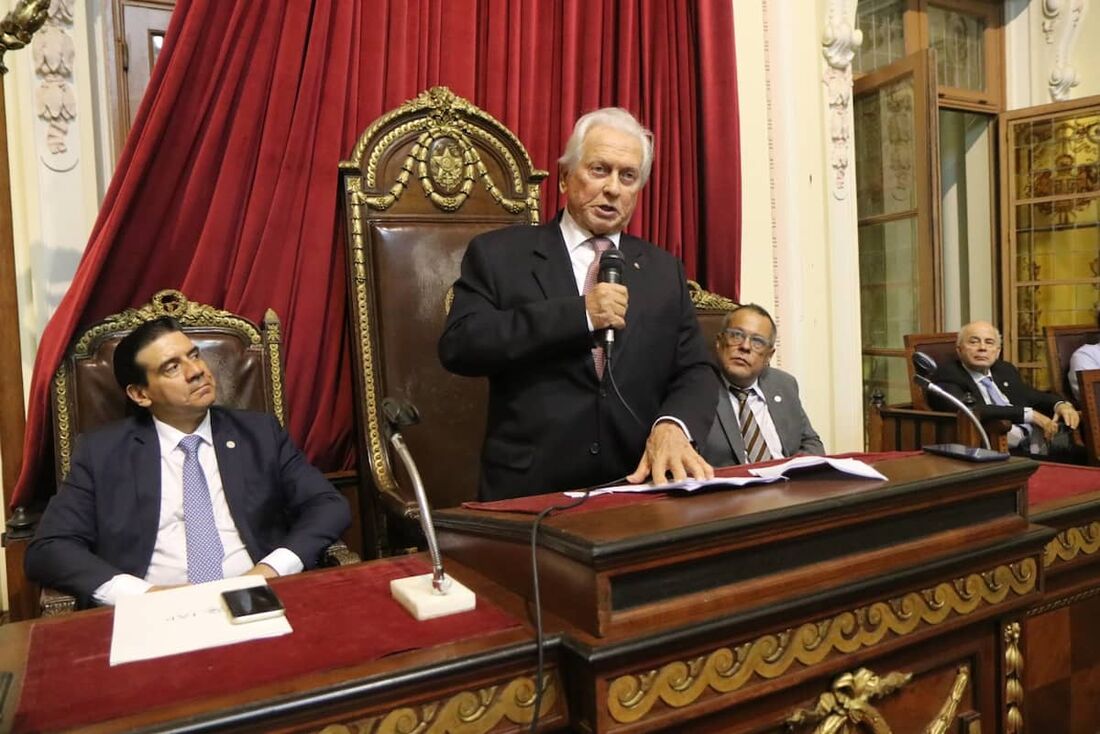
103	520
726	446
954	378
518	319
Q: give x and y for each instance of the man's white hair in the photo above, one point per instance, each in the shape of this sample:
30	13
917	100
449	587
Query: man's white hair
613	117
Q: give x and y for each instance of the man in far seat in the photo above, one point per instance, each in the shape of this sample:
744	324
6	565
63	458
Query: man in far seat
998	392
760	415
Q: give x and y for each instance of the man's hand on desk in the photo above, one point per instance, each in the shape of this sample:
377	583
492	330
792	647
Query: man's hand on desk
668	450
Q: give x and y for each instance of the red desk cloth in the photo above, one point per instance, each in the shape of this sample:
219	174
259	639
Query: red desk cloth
339	618
1058	481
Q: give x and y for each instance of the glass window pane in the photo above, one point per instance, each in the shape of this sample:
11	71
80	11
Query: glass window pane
883	34
888	375
888	282
960	53
885	150
1056	174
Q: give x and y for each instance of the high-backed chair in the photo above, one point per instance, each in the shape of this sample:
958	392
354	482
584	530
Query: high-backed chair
939	346
1062	342
711	309
421	181
244	358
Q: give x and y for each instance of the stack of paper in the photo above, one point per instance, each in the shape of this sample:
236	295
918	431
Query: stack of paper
761	475
179	620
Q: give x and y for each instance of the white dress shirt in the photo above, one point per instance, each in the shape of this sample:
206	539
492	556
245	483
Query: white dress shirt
582	254
168	566
1086	357
758	404
1017	433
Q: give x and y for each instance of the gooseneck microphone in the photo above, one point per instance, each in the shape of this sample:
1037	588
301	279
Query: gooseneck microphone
611	271
924	366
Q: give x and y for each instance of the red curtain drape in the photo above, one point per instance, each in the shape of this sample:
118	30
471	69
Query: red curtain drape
227	186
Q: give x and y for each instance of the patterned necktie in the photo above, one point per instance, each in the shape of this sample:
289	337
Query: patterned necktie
600	245
204	547
991	390
756	449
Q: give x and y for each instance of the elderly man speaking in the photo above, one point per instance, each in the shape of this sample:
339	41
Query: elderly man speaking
527	312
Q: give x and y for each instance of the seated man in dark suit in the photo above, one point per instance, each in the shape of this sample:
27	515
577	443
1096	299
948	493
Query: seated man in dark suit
760	416
998	391
186	492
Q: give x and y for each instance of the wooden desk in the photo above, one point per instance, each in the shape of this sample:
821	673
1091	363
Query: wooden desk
483	683
938	576
804	583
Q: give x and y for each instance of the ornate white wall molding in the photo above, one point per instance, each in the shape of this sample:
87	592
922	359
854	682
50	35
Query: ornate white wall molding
1061	23
841	37
839	44
55	97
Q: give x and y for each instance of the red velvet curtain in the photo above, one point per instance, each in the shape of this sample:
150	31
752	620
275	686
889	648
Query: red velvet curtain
227	187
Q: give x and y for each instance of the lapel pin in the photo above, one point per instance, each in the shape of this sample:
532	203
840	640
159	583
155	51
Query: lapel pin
778	398
637	266
231	444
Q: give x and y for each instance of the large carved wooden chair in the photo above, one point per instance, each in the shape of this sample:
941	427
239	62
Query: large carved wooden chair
908	427
1062	342
244	357
421	181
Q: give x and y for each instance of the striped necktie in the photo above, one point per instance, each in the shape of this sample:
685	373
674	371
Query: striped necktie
756	449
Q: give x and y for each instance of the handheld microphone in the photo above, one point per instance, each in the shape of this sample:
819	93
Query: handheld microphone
611	271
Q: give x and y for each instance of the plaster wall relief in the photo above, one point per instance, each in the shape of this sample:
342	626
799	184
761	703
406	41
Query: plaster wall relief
839	44
1061	26
54	95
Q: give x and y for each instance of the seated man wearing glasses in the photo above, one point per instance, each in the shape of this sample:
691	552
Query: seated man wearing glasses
760	416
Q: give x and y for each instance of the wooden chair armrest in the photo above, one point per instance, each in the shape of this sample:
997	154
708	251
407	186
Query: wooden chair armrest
53	603
338	554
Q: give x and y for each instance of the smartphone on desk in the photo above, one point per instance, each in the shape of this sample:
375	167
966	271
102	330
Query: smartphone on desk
252	604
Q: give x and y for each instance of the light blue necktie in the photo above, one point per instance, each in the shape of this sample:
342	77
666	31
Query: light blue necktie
204	548
991	390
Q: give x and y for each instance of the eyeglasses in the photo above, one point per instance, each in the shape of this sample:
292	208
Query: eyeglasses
757	343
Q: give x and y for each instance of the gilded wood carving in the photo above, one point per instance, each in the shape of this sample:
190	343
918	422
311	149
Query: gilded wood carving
1014	687
468	712
727	669
1072	542
847	708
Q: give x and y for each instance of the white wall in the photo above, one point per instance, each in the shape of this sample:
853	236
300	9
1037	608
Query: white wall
799	248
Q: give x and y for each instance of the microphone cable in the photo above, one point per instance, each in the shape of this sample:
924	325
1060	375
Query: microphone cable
537	600
615	385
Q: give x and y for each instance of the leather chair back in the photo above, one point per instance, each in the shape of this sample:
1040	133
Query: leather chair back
422	181
1062	342
939	346
243	357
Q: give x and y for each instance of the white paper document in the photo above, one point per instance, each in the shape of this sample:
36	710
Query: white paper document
762	475
179	620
